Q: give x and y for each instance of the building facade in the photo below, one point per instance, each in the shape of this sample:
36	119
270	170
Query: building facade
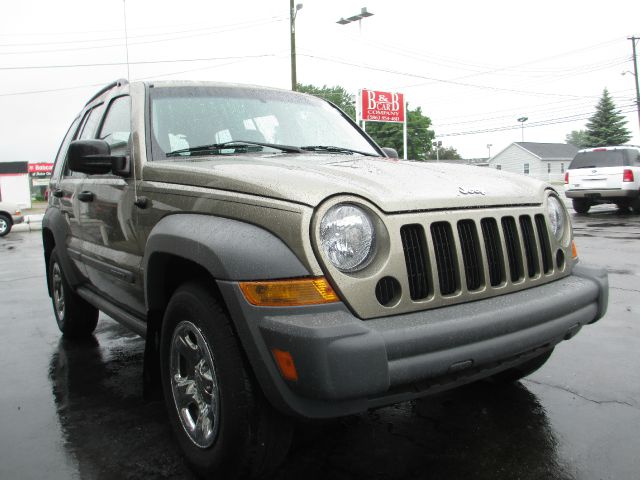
544	161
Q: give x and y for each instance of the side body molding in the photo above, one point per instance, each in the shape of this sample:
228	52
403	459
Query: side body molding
228	249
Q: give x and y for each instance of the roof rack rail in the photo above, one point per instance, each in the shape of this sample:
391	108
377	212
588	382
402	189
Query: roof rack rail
117	83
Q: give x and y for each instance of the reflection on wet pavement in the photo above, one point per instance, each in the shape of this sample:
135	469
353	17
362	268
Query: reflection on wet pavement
76	410
473	432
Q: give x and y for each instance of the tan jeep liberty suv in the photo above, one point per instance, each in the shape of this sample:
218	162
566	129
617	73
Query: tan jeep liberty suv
280	264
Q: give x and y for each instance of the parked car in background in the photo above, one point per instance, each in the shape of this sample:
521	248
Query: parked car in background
10	215
604	175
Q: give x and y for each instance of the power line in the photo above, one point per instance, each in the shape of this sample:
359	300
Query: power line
209	29
151	62
440	80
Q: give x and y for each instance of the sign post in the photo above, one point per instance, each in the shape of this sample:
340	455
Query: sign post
378	106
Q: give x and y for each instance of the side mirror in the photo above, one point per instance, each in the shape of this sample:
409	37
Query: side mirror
390	152
94	158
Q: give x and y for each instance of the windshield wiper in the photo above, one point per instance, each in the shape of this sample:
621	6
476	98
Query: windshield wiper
236	144
332	149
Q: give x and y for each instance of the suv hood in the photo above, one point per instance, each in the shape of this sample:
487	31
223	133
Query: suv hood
393	185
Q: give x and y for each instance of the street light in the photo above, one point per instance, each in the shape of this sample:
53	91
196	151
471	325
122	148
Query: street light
522	120
437	144
292	22
489	145
356	18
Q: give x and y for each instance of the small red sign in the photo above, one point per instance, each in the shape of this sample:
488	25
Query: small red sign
41	168
382	106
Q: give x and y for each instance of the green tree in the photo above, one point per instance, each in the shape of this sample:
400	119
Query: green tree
336	95
577	138
607	125
447	153
419	136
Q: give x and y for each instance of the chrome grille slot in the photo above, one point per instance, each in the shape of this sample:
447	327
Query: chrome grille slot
493	250
446	258
469	244
416	259
530	246
545	247
512	242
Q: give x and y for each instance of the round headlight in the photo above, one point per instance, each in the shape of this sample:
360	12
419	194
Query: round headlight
557	217
347	237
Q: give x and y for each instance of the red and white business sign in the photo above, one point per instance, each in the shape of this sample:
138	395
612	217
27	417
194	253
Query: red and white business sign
40	169
382	106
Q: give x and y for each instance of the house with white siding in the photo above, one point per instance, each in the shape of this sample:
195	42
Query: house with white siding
544	161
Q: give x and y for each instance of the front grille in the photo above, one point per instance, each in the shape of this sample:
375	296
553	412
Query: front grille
487	252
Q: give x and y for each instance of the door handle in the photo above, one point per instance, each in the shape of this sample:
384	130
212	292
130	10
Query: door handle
85	196
58	193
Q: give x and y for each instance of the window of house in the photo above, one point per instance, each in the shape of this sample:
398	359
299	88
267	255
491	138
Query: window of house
562	168
526	169
548	168
498	167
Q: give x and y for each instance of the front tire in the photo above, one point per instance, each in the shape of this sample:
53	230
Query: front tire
5	225
220	417
581	206
75	316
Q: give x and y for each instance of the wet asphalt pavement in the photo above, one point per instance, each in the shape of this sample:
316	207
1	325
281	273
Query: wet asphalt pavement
75	410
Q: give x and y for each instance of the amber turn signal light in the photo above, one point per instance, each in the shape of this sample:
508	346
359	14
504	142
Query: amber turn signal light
574	250
289	293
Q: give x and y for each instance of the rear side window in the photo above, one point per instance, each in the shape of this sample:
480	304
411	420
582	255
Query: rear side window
117	125
91	122
62	151
602	158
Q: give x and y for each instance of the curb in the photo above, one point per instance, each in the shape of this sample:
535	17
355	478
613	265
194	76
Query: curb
31	223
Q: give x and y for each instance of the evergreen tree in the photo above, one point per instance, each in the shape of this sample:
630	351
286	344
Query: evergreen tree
607	125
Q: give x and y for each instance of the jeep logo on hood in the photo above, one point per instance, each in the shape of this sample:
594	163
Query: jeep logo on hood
471	191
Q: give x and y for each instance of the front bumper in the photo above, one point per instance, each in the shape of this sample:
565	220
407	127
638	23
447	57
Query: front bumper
346	365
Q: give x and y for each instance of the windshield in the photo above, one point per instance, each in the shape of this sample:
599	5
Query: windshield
600	158
196	121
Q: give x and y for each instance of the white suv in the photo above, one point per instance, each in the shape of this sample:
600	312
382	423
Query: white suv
604	175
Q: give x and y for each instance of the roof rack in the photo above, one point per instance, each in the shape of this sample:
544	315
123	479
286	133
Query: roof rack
117	83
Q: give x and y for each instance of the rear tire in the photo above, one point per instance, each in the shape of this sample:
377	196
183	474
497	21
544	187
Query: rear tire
219	415
635	205
5	225
523	370
581	206
623	207
75	316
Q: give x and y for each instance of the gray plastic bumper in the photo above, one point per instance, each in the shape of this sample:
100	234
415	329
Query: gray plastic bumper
346	365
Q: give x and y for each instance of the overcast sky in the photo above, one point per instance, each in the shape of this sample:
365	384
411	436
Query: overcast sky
474	67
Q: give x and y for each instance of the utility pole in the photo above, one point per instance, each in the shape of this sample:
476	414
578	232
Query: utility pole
292	23
635	70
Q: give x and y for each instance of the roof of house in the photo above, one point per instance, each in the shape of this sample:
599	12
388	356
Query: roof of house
550	151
